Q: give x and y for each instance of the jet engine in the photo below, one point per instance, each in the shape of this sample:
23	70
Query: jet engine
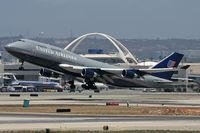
129	74
88	73
48	73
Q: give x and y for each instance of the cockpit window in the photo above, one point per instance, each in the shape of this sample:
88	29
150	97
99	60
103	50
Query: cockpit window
21	40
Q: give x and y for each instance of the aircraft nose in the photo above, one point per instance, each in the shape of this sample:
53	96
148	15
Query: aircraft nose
7	47
10	47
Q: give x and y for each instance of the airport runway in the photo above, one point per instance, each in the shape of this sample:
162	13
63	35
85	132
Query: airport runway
20	121
121	96
79	122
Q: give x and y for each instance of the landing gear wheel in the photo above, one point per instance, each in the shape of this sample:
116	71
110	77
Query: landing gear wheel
21	66
96	91
84	86
72	86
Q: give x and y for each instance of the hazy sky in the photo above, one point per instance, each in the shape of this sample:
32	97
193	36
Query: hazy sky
119	18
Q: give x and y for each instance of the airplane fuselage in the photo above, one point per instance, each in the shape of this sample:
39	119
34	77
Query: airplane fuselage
51	57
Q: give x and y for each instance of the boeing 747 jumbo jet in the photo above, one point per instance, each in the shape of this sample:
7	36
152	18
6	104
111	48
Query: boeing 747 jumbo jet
71	65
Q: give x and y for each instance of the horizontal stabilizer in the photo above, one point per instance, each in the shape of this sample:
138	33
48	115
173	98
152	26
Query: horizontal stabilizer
185	67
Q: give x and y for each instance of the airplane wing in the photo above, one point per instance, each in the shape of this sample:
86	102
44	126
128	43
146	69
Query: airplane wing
101	71
115	71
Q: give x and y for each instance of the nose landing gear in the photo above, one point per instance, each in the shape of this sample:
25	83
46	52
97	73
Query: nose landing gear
21	66
72	86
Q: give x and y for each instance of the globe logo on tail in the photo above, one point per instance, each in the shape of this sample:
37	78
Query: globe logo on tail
171	64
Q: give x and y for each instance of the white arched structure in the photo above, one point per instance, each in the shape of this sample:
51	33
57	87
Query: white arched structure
124	53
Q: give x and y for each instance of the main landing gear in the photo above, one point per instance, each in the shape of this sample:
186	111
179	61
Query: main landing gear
90	85
21	66
72	86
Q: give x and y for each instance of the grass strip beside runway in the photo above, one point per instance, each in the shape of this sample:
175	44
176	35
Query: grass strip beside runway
104	110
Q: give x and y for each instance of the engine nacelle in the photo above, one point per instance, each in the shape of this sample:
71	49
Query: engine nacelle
129	74
88	73
48	73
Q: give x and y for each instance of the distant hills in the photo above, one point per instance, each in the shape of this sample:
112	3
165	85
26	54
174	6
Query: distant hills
148	49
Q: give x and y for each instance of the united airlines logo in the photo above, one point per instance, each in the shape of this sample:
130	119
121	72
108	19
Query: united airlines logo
55	52
171	64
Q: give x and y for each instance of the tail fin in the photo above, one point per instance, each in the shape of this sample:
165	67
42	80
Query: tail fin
171	61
